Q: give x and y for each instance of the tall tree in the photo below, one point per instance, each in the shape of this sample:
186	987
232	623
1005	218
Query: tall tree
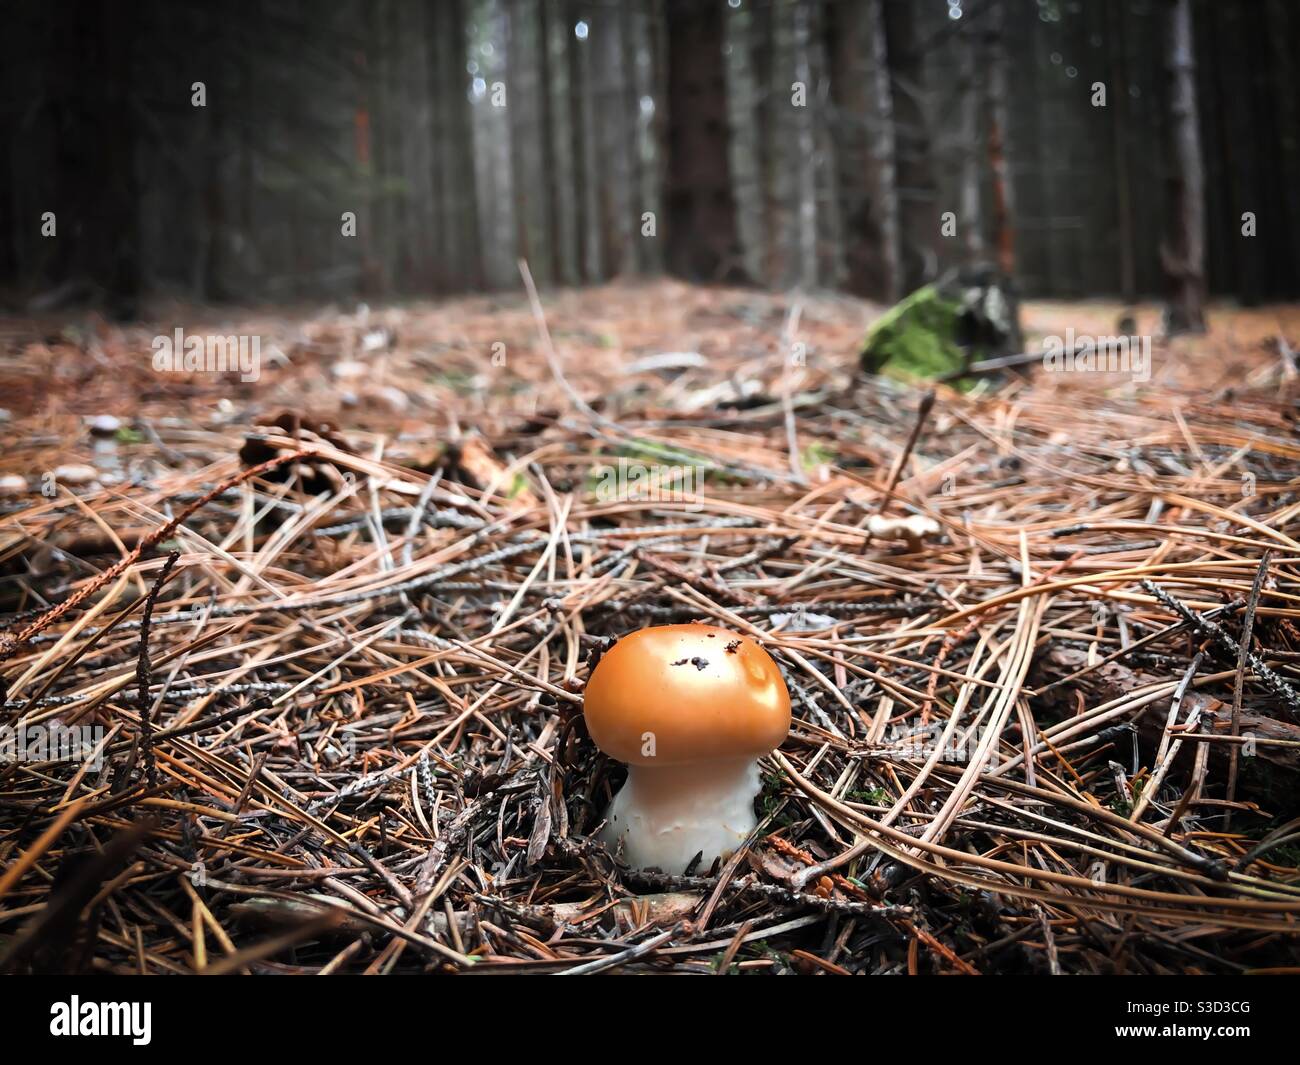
864	128
458	154
1283	32
581	137
973	94
918	195
609	25
805	117
1003	192
632	30
1183	253
1117	59
700	209
884	156
554	207
761	49
520	75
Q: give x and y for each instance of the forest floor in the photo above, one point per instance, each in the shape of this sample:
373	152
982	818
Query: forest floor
335	700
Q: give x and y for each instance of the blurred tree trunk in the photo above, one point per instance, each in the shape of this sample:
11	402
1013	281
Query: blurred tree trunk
100	140
973	88
805	150
400	135
830	211
495	172
214	149
917	192
436	92
1184	252
568	141
1283	32
762	45
884	156
1117	102
10	256
375	276
655	85
521	126
1002	190
1252	97
609	103
579	135
851	47
420	147
700	209
550	173
630	98
458	154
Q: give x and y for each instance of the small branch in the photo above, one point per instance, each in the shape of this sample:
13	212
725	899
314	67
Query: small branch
143	680
1247	626
922	415
1203	624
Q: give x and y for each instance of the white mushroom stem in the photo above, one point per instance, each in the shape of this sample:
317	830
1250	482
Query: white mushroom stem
665	815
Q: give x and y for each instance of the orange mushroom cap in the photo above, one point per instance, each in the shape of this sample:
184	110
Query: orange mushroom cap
676	694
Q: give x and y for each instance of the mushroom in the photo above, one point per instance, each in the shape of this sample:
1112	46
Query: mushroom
76	475
690	709
914	529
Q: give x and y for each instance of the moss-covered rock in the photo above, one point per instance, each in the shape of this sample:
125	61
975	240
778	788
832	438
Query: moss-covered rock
937	330
916	338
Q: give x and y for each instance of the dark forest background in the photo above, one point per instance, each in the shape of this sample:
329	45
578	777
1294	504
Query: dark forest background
466	134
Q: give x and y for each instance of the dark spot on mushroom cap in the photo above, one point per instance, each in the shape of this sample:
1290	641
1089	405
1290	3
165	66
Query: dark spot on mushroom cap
732	647
698	662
